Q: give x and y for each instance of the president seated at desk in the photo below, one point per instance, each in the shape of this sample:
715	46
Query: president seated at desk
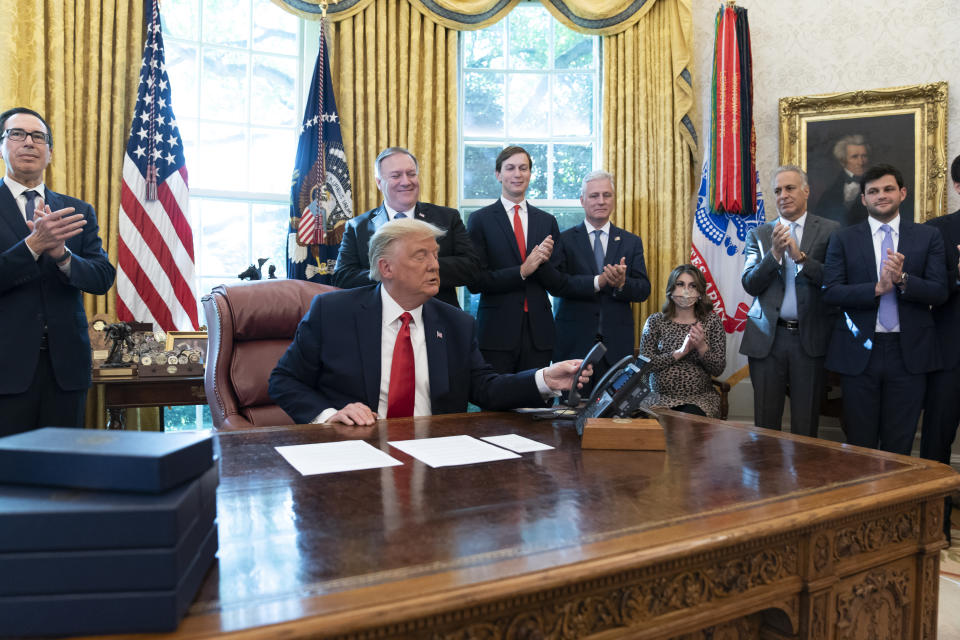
336	369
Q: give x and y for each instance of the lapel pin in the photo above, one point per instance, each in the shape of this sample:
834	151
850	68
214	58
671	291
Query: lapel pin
439	334
617	239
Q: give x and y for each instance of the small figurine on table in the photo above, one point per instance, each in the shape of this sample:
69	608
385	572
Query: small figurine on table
121	336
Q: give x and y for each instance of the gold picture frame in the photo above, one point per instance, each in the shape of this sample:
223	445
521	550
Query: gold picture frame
903	126
194	337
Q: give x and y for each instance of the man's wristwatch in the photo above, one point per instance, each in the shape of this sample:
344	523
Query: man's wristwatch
63	257
801	259
903	281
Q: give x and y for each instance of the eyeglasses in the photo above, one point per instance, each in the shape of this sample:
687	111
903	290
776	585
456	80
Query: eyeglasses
19	135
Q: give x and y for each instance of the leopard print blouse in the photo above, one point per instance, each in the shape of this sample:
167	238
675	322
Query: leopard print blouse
687	380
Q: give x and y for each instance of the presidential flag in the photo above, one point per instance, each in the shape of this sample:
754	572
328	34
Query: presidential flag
155	250
321	200
729	202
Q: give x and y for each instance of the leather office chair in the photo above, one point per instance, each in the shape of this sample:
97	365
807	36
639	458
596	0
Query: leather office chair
250	325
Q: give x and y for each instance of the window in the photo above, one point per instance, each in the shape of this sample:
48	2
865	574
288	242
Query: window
529	80
237	70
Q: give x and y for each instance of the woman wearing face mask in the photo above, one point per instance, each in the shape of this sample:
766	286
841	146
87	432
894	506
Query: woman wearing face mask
686	346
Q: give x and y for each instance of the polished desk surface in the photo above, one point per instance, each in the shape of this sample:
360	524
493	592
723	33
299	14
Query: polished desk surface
328	554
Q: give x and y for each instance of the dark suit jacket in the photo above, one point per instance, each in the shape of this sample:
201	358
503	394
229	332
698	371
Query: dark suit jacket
763	278
335	360
849	277
831	205
35	294
946	316
458	260
578	318
502	290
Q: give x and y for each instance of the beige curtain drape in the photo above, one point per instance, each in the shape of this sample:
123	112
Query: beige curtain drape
395	71
78	63
648	139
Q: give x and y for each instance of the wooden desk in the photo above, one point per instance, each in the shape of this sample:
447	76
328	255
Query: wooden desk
123	392
734	531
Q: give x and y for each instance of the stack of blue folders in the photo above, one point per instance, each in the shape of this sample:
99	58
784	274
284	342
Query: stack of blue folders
103	531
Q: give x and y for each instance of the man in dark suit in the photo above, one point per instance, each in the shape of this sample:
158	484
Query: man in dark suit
391	350
50	254
941	414
785	339
884	274
398	178
841	201
514	241
611	259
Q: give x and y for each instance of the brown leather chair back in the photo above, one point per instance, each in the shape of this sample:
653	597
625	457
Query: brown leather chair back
250	325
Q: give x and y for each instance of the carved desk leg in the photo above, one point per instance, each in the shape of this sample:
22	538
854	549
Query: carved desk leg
816	609
117	418
928	569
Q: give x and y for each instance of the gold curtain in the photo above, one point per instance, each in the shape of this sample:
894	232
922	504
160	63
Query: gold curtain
396	75
648	141
78	64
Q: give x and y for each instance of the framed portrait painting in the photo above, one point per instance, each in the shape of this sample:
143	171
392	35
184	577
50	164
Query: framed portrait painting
835	137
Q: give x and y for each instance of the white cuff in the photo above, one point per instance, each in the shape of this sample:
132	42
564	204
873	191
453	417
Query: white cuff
325	415
542	387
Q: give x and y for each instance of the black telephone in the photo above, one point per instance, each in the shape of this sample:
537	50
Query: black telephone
619	392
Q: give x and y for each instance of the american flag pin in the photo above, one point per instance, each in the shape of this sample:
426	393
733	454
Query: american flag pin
617	239
420	215
439	334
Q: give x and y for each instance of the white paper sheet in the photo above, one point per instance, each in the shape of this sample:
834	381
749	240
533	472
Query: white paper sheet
517	443
452	450
334	457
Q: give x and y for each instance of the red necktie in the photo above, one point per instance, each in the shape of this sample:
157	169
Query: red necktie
400	396
521	241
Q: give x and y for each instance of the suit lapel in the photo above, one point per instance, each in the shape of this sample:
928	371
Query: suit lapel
582	250
10	213
434	333
379	219
810	233
865	246
368	317
614	246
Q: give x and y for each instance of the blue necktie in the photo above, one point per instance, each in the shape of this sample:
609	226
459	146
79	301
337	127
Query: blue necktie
788	310
598	250
400	214
887	314
31	203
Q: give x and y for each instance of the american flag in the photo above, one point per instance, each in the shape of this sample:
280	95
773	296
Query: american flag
155	253
320	196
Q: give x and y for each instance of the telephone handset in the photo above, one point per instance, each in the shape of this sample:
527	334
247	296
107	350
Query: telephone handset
593	357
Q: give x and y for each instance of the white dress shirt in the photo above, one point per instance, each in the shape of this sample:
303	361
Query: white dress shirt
877	235
523	215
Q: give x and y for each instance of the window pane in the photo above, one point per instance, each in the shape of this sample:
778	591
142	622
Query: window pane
483	104
274	90
226	22
573	50
188	133
538	181
274	30
182	65
226	241
270	223
272	154
573	104
529	38
528	105
224	78
479	180
180	19
483	49
570	163
221	153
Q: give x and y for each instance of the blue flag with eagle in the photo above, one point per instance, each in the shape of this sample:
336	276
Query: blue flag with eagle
321	199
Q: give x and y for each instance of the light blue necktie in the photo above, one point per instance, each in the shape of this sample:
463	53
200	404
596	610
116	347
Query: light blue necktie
788	310
887	314
598	250
400	214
